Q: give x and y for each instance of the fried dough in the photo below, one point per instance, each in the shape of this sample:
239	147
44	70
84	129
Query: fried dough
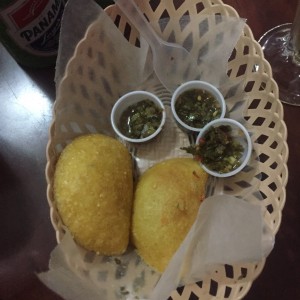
166	202
93	191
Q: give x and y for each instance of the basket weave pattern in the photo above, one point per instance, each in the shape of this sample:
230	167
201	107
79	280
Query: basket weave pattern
264	113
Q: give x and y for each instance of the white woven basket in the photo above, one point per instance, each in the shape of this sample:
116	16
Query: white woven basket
264	113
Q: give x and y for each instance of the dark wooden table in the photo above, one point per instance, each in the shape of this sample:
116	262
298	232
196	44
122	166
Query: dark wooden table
26	233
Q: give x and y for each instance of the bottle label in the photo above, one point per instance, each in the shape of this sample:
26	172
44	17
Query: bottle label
34	25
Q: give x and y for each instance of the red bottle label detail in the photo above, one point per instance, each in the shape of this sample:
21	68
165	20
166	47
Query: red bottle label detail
34	24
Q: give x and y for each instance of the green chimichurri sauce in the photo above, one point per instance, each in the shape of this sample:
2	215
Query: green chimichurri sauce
218	151
141	119
197	107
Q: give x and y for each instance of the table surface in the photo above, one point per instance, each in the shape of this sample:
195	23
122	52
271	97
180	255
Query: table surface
26	233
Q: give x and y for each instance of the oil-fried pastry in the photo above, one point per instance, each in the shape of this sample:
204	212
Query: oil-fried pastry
93	191
166	202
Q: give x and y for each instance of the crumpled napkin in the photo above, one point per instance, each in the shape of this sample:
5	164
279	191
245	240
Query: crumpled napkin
227	230
75	21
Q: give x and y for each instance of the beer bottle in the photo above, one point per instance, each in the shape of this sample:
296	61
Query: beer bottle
29	30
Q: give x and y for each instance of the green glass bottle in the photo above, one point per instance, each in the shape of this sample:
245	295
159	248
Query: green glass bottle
29	30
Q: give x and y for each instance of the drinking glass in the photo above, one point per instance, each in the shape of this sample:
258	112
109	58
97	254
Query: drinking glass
281	46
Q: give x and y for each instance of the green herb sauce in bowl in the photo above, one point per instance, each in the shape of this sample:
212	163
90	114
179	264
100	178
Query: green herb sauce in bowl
196	103
138	116
197	107
223	147
141	119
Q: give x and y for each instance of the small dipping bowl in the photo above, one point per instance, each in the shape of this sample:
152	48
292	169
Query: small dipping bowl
239	134
129	99
196	85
